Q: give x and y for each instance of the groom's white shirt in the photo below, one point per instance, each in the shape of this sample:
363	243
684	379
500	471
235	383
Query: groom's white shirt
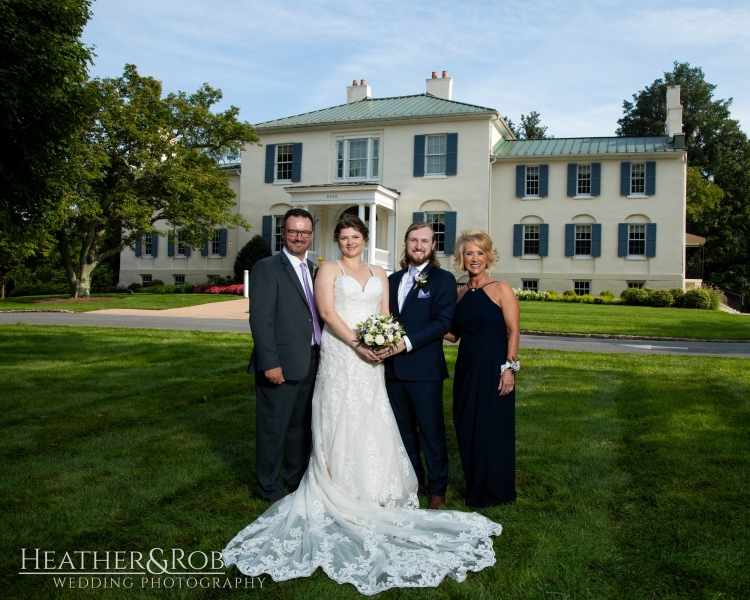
296	262
402	294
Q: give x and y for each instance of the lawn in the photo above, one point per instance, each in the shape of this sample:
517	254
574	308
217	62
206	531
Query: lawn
566	317
632	473
139	301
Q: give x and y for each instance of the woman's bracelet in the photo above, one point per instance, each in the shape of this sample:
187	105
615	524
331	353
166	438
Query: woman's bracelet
513	366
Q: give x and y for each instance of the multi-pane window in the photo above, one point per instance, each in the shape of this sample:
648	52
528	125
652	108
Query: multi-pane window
278	237
532	181
284	162
145	280
437	220
435	155
638	178
636	240
635	284
358	159
531	239
180	244
581	287
178	279
216	243
147	245
530	284
583	240
584	180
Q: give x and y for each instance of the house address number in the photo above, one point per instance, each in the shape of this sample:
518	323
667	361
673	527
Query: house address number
332	196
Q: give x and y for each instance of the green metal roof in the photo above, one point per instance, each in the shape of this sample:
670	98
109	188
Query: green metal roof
374	109
582	146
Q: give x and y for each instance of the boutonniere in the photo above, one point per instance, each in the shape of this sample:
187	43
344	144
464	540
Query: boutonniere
420	280
314	271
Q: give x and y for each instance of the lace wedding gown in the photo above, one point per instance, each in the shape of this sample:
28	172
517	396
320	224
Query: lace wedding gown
356	512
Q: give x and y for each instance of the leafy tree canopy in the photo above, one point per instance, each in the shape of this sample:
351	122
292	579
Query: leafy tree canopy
530	127
142	158
256	249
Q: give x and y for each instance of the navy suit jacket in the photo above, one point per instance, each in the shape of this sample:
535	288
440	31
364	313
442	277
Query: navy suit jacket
426	317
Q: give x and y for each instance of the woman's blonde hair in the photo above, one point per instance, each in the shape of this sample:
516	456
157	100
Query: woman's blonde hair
481	239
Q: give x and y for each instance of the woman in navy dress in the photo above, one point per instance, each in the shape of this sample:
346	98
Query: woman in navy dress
486	322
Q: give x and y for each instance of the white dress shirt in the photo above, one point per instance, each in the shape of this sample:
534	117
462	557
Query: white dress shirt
403	293
296	262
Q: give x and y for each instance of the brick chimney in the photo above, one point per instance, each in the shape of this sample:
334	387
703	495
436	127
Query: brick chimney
358	91
673	125
441	87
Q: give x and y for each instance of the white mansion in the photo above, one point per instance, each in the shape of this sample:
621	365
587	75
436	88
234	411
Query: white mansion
567	213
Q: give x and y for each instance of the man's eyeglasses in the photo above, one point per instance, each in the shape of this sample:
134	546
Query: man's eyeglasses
292	233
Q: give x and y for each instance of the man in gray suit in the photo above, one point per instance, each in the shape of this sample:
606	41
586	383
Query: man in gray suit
286	331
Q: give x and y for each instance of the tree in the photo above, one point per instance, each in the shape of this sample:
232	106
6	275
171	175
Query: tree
720	151
139	159
256	249
530	127
43	64
15	250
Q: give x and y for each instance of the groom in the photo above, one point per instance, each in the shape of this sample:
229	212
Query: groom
286	332
423	299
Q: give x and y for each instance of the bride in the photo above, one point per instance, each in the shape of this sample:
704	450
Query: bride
356	513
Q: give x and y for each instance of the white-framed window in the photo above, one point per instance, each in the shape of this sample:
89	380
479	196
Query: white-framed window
532	181
531	240
180	245
583	240
215	244
278	236
530	284
148	247
636	284
638	178
583	184
581	288
145	279
435	153
283	163
178	279
357	159
636	240
437	220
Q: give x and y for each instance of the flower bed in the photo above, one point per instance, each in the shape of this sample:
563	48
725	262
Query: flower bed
236	289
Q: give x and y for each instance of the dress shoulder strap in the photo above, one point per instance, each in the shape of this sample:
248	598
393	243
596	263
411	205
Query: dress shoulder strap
371	272
486	284
340	267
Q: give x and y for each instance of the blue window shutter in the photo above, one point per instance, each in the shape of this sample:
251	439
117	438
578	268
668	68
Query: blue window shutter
596	179
154	244
223	242
419	141
267	230
570	239
451	154
543	180
270	162
450	231
622	235
544	239
572	179
624	181
297	161
188	249
650	177
651	240
138	248
418	217
170	244
596	239
520	181
204	249
517	240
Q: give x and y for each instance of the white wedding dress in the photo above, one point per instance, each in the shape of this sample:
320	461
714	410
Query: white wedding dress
356	512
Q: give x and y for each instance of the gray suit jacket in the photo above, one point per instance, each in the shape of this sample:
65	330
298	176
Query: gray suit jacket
280	319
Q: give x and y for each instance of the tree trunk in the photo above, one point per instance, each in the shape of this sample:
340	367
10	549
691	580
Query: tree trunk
2	288
83	288
62	245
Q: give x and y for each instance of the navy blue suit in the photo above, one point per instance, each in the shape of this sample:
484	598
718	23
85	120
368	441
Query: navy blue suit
414	380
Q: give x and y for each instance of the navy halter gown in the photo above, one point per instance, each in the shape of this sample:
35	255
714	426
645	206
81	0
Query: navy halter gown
484	420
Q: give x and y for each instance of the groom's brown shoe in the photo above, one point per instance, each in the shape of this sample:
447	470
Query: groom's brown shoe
436	502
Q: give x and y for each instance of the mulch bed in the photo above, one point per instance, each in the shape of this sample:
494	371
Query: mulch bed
59	300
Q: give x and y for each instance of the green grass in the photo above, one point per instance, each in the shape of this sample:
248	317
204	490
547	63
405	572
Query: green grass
139	301
632	470
559	317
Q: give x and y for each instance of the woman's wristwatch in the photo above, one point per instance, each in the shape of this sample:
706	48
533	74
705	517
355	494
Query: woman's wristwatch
512	365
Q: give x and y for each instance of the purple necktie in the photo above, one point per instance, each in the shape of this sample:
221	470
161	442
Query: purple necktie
311	303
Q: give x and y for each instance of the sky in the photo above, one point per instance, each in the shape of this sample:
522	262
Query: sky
573	62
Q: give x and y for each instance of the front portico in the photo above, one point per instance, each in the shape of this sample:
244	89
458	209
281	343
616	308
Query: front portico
376	205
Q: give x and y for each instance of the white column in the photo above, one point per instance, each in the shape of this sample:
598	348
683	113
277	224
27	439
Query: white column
373	234
362	212
391	243
246	282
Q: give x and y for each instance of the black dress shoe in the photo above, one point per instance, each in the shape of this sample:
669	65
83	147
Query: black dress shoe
421	491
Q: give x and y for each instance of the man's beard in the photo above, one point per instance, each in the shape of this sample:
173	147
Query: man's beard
412	261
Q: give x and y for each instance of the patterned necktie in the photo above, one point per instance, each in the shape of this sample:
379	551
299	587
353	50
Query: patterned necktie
311	303
409	284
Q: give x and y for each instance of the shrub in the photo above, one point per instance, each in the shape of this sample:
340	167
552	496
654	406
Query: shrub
552	295
569	293
677	294
236	288
154	283
610	295
40	289
697	299
721	297
161	289
256	249
660	298
135	287
530	294
183	288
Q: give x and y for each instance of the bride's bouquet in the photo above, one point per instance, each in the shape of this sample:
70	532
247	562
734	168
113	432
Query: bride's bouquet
379	331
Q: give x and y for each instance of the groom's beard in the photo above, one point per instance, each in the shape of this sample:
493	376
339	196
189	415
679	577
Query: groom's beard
414	261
